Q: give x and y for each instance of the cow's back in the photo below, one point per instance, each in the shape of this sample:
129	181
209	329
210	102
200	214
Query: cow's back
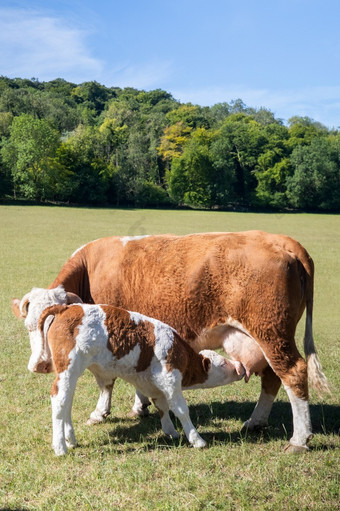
192	282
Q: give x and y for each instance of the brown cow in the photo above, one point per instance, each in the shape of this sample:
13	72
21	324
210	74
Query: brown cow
244	291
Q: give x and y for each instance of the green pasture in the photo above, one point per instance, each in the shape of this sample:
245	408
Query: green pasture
127	463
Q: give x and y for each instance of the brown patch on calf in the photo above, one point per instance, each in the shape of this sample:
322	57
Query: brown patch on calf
125	334
54	389
193	366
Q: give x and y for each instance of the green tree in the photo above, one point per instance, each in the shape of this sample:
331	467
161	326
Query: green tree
189	180
315	182
273	168
302	130
243	142
82	154
27	153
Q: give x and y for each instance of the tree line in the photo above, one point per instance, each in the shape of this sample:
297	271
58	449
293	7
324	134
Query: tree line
96	145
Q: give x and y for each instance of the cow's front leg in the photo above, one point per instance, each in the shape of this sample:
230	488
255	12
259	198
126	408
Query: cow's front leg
140	407
270	385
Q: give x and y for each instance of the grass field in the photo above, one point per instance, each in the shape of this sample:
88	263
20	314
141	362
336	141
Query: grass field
128	463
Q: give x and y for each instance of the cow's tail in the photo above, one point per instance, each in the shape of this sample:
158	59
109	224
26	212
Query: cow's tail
316	376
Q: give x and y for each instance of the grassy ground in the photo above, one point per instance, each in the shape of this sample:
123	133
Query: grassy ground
127	463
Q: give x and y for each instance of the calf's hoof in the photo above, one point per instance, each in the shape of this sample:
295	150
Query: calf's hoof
199	444
91	421
295	449
174	435
71	444
250	425
141	412
96	418
60	450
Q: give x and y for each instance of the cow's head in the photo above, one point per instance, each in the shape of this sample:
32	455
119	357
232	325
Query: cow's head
30	309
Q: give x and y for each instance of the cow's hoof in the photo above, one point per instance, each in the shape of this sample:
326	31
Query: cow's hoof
296	449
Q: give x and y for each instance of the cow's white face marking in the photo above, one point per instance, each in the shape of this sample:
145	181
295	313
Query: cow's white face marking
39	299
126	239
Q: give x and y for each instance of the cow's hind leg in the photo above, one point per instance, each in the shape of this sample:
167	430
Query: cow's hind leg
291	368
295	382
270	384
302	432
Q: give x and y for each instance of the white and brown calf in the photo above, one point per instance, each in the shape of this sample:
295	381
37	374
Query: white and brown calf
112	343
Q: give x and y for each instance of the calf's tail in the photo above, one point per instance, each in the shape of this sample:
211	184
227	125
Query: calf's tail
53	310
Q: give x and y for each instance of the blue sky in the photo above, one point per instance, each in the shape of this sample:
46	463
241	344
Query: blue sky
282	55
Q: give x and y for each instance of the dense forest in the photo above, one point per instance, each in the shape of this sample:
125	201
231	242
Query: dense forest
95	145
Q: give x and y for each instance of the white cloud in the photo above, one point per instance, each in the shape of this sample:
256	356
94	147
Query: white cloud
33	44
320	103
147	75
46	47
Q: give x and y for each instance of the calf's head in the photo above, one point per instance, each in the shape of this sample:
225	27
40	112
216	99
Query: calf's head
221	370
30	308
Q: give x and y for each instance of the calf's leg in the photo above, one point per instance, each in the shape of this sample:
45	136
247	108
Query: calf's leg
61	399
103	408
180	408
141	405
167	425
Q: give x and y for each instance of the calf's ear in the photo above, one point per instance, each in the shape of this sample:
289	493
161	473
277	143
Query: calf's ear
206	362
15	307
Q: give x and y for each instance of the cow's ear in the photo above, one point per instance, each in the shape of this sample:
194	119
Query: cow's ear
206	362
73	298
15	307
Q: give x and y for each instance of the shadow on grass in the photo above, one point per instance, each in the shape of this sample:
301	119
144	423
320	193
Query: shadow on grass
325	420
